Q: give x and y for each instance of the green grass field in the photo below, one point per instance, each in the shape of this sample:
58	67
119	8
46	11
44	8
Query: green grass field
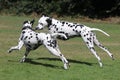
41	65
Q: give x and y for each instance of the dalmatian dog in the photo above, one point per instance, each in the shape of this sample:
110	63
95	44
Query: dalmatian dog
32	40
74	29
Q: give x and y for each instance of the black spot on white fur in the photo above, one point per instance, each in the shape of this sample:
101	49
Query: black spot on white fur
33	40
75	29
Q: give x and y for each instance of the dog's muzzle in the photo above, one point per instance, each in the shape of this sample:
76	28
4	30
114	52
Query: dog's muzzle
38	28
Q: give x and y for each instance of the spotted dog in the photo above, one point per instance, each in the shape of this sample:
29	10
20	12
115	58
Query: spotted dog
32	40
74	29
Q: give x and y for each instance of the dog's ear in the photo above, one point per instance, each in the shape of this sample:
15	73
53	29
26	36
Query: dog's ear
43	14
49	21
32	22
25	22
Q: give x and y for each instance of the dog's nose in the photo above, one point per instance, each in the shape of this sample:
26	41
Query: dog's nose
36	28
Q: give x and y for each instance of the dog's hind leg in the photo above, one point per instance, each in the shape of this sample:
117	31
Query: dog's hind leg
57	48
57	53
92	49
25	55
102	47
89	42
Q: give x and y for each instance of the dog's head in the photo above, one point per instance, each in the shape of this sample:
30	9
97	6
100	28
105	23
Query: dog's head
28	23
43	21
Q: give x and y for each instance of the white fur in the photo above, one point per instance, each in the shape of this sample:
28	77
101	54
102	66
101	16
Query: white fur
32	40
74	29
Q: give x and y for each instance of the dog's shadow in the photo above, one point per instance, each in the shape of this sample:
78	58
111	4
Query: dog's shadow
32	61
36	62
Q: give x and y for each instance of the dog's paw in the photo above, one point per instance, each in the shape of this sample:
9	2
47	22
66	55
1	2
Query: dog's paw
65	36
9	51
22	60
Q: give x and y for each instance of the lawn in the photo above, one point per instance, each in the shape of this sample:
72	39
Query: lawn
41	65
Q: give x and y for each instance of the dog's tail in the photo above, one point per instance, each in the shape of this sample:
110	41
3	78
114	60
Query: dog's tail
96	29
58	34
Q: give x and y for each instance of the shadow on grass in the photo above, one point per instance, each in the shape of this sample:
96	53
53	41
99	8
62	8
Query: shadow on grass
69	60
32	61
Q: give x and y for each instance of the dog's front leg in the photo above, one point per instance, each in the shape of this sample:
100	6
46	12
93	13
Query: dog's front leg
18	47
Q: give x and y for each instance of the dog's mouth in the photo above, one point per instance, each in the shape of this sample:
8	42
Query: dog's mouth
38	28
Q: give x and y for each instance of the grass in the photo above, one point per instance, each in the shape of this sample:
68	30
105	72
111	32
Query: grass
41	65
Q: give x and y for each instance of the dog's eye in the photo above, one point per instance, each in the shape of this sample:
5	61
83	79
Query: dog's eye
41	24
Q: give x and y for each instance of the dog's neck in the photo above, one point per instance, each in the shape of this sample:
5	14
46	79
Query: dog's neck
27	27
